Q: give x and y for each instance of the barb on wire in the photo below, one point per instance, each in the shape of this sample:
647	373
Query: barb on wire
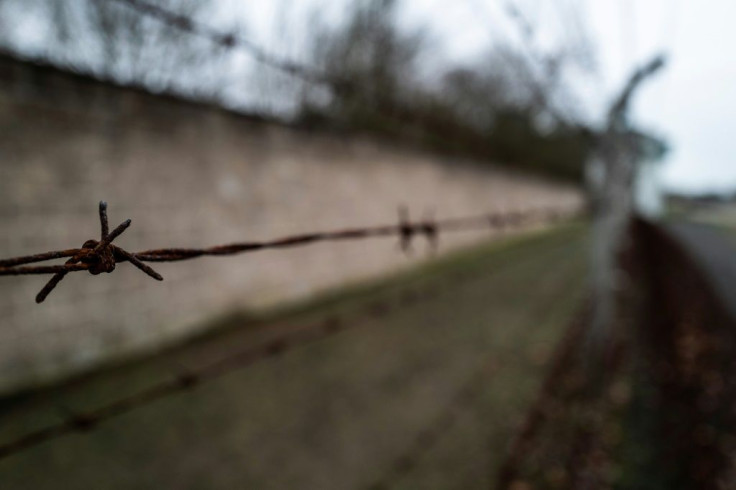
429	228
189	378
96	257
101	256
406	230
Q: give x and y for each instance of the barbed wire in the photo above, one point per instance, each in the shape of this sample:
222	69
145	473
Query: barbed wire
309	74
230	40
98	256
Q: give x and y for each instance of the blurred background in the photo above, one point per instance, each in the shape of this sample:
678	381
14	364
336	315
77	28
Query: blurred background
534	352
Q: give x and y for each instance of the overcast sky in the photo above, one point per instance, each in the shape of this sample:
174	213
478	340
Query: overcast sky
693	102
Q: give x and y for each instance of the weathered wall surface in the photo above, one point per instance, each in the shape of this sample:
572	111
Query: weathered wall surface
192	175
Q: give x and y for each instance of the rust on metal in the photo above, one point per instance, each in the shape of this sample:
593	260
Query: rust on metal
98	256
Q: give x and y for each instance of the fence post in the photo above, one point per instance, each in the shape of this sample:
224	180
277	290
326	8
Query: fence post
610	176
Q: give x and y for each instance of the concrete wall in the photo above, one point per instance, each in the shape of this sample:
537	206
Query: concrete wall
193	175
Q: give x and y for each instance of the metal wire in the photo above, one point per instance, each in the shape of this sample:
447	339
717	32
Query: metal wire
230	41
101	256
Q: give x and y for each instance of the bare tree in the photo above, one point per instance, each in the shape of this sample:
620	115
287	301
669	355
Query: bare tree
611	174
119	43
370	53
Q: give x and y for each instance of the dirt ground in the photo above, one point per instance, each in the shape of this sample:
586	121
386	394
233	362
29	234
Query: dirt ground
350	411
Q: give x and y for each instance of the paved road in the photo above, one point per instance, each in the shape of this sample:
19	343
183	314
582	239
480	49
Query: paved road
715	251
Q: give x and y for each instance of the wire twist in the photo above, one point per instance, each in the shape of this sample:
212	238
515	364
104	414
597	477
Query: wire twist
98	256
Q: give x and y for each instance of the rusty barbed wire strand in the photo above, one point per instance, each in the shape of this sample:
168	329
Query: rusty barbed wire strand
430	436
101	256
230	40
189	378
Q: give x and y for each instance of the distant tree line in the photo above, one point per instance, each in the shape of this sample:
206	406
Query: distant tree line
490	110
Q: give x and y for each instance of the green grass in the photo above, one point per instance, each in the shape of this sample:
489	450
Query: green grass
336	413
